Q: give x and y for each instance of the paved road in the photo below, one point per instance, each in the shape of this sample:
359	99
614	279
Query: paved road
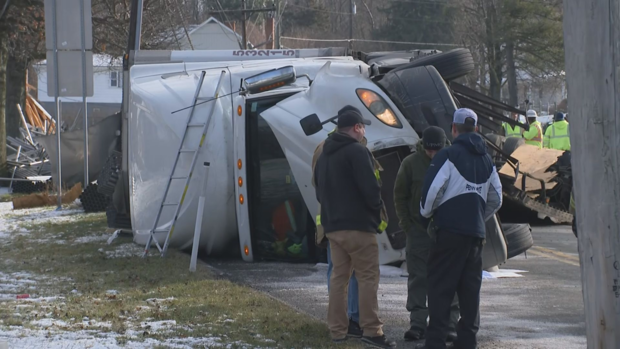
542	309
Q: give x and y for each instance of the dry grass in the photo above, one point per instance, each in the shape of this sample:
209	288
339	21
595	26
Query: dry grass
147	290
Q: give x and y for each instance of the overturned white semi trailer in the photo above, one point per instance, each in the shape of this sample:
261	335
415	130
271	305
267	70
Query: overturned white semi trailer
258	190
259	156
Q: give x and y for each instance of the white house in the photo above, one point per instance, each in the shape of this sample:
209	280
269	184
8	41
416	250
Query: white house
107	94
210	35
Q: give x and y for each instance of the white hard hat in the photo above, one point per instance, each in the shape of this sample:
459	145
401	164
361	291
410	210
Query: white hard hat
531	113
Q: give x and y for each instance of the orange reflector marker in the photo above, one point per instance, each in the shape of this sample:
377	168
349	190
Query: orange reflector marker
241	199
239	164
246	249
239	110
240	181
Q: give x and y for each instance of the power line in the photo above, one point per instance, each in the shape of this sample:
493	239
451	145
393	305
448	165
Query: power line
375	41
319	10
417	20
445	3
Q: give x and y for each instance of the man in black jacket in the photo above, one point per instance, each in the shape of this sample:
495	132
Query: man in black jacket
350	198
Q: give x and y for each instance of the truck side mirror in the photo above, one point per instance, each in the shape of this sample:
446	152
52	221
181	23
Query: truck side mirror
311	124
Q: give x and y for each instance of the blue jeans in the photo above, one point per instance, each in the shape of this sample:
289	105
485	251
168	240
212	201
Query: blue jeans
353	297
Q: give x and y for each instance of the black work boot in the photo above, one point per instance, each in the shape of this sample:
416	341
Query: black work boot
340	340
379	342
414	334
355	331
451	337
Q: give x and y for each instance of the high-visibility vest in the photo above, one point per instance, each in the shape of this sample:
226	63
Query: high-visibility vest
535	135
283	220
512	131
556	138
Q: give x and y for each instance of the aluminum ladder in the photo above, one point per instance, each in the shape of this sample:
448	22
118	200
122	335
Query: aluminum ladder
183	150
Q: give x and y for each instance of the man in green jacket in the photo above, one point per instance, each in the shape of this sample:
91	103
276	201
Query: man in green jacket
407	195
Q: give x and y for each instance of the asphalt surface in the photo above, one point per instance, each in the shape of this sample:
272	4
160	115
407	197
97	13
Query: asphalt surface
541	309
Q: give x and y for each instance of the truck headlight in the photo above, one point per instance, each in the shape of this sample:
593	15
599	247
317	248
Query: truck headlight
378	107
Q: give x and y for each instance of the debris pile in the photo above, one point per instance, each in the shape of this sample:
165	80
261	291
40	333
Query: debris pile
39	200
36	186
37	117
30	160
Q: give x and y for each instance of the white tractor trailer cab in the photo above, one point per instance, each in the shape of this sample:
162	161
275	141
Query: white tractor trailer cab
264	113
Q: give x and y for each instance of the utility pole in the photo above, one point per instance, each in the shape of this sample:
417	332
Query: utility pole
84	93
351	13
594	108
245	11
244	29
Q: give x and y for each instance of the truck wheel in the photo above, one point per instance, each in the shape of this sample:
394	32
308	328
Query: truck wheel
451	65
518	238
117	220
512	143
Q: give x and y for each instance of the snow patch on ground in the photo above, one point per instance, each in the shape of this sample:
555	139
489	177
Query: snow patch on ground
13	283
19	338
92	238
124	251
10	220
158	326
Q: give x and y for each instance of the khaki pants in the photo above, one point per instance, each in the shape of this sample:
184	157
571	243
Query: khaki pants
351	250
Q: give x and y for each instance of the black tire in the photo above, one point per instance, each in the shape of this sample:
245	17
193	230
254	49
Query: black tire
108	177
423	97
117	220
512	143
451	65
518	238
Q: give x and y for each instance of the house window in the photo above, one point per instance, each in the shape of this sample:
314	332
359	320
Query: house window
115	79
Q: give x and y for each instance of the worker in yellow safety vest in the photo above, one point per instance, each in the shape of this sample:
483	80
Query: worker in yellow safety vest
557	135
510	131
535	134
284	224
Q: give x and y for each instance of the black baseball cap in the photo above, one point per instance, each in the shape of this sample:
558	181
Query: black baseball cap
350	116
434	138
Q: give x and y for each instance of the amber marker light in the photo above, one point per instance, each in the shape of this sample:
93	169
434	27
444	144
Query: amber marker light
239	164
239	110
240	181
246	249
241	199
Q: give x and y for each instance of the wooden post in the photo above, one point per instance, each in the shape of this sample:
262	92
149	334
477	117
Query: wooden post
244	29
592	44
269	32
